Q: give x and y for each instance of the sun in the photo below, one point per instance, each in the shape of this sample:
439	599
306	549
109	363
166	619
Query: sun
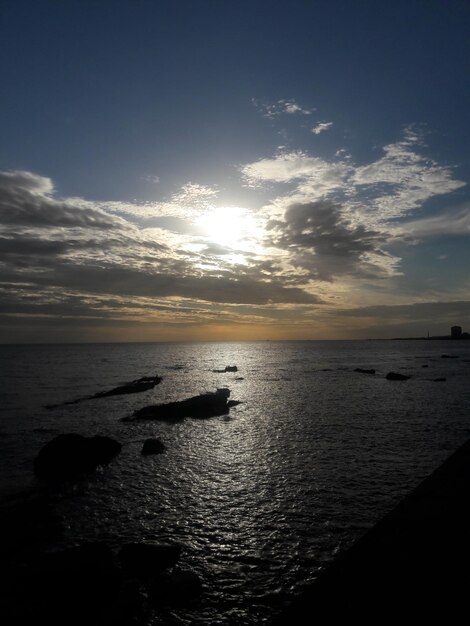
230	226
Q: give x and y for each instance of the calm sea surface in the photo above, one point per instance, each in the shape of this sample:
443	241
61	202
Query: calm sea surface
264	497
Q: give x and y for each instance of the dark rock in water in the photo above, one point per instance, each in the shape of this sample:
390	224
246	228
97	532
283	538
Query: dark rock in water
424	365
439	380
449	356
135	386
28	519
239	378
178	588
153	446
231	368
395	376
363	371
76	586
205	405
144	560
71	456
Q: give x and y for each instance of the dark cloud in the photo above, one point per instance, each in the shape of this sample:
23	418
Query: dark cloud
121	281
25	200
322	239
456	311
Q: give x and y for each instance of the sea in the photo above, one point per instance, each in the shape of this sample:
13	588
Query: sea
264	498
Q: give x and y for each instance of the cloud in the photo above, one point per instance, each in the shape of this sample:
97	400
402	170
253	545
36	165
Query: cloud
402	180
287	167
26	200
323	239
455	222
70	245
452	311
322	126
390	187
190	201
281	107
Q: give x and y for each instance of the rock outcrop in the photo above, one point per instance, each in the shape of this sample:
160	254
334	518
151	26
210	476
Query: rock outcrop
153	446
205	405
72	456
135	386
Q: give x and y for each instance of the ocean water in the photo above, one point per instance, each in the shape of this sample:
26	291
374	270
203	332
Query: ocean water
263	498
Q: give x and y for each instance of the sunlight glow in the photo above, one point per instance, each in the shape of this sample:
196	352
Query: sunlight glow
233	227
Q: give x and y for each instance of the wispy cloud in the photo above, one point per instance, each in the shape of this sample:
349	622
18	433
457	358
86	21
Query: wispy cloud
451	222
321	127
281	107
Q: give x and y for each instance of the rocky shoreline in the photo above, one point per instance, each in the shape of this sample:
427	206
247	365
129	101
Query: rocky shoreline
91	583
411	566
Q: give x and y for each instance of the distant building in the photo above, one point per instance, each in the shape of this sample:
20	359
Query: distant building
456	332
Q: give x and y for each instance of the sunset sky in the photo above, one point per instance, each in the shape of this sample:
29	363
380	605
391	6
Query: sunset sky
225	170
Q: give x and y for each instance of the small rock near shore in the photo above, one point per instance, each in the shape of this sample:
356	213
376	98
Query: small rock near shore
396	376
153	446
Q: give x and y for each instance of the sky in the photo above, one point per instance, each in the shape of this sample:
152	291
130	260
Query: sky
207	170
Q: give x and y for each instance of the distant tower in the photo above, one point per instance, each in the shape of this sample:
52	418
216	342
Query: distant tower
456	332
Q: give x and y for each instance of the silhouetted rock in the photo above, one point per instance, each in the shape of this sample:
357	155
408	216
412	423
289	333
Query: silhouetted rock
76	586
71	456
28	519
439	380
363	371
179	588
135	386
396	376
424	365
153	446
449	356
205	405
231	368
144	560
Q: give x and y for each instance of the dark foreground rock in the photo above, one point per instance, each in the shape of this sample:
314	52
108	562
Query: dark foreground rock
363	371
72	456
28	521
396	376
205	405
228	368
153	446
449	356
411	567
179	588
77	586
135	386
144	560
